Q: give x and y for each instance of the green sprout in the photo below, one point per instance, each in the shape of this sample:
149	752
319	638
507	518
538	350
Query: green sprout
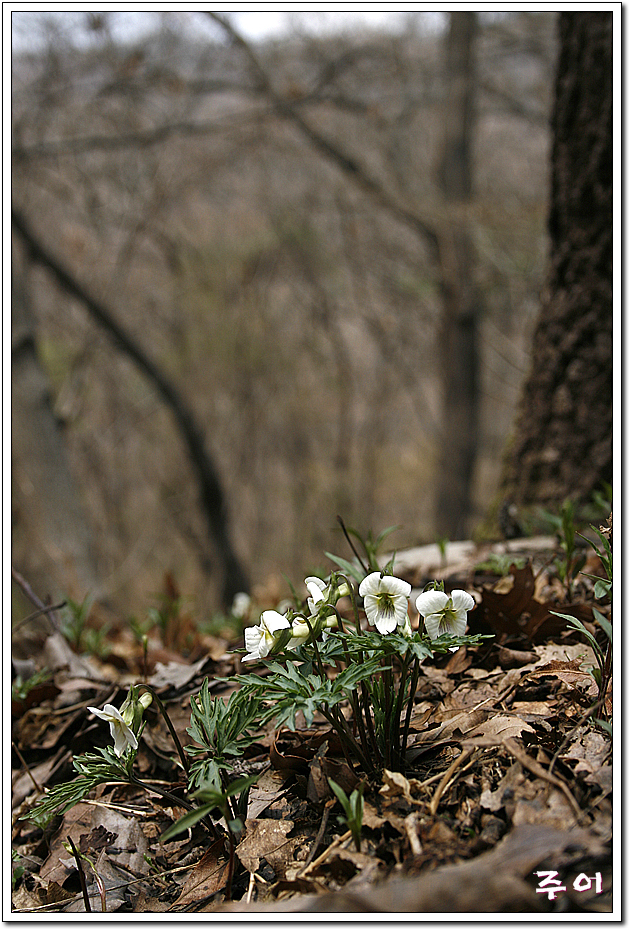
352	816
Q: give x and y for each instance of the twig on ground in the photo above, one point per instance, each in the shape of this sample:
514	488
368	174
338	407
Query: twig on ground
38	787
537	769
336	842
320	833
439	791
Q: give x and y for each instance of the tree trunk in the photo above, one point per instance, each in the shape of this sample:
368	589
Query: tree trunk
562	446
460	298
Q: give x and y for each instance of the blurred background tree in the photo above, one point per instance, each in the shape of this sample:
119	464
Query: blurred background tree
329	244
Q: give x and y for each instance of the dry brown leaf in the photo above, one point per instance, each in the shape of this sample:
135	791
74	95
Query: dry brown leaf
603	778
268	839
343	863
531	708
542	805
516	610
268	788
494	800
177	675
206	878
571	674
395	784
494	730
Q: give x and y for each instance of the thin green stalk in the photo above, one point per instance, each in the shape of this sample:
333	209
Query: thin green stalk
606	673
368	719
395	732
358	718
82	881
353	598
387	696
163	711
180	802
412	691
351	544
349	744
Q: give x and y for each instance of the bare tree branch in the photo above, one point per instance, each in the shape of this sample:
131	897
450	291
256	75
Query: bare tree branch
212	496
361	177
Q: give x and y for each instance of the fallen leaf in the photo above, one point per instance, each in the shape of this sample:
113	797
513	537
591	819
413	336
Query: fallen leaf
207	877
603	778
492	731
176	675
269	787
267	839
395	784
590	749
516	611
571	674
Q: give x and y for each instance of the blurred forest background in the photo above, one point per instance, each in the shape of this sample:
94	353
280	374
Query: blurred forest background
260	284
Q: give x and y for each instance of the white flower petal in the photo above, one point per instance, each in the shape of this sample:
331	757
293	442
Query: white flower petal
462	600
385	624
395	586
371	584
316	593
370	605
458	625
273	621
253	637
123	737
431	602
121	733
400	610
432	624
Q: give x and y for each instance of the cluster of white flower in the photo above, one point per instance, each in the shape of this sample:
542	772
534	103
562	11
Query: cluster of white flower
385	600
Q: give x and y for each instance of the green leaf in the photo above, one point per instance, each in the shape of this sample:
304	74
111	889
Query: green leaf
605	624
184	823
382	536
602	588
605	725
342	797
348	567
576	624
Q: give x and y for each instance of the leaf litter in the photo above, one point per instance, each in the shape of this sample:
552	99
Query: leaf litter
508	776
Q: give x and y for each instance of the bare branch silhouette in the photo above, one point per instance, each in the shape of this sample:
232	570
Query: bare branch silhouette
211	491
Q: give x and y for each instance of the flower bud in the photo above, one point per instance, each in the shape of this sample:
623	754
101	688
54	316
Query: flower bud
133	707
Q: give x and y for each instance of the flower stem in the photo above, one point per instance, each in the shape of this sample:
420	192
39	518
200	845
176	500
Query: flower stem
395	724
180	802
353	598
412	694
351	544
176	740
369	721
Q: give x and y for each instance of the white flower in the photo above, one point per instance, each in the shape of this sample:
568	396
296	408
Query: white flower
444	613
241	604
121	732
385	601
316	588
259	640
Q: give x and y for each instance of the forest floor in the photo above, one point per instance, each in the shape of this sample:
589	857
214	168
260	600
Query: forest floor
510	776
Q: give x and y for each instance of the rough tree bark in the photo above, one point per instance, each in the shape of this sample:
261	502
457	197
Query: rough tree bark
461	302
562	444
211	492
